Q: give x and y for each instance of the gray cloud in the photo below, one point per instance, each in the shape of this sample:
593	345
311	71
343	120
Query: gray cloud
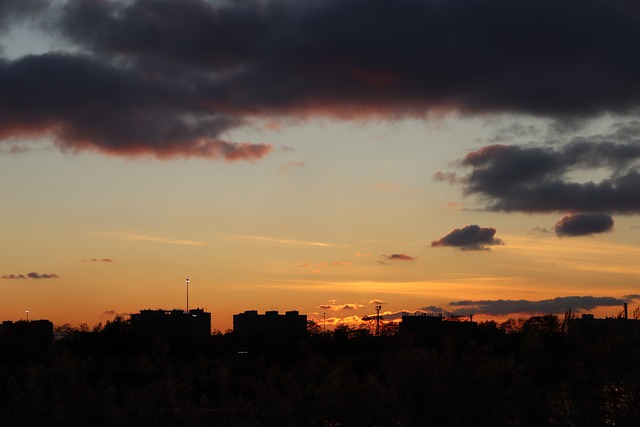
542	178
583	224
471	237
12	11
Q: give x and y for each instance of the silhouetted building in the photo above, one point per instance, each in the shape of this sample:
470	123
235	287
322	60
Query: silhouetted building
589	326
422	325
432	326
25	340
173	324
269	326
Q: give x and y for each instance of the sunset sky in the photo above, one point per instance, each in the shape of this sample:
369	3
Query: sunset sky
323	156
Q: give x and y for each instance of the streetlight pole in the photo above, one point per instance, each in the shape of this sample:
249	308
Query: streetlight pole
378	307
27	311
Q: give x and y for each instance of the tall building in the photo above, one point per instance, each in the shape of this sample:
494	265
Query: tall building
173	324
25	340
269	326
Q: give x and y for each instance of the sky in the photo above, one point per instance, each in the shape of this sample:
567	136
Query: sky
326	156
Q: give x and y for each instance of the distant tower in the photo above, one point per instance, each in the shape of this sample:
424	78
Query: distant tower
187	281
378	307
324	322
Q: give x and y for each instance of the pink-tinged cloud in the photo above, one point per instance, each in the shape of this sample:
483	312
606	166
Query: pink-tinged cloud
339	307
316	271
206	149
341	263
399	257
367	254
32	275
448	177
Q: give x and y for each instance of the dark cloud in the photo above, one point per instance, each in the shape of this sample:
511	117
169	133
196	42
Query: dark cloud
168	78
399	257
583	224
32	275
471	237
549	306
410	55
109	313
87	104
12	11
547	178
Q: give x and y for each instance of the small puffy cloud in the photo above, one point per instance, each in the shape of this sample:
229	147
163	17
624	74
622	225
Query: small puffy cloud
377	301
32	275
399	257
360	254
582	224
105	260
471	237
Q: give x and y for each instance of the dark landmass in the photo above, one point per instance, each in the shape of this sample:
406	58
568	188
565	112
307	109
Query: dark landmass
535	372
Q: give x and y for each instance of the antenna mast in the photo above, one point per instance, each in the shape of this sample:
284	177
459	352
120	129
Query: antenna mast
378	307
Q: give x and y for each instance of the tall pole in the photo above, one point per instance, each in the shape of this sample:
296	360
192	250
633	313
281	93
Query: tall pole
187	280
378	307
27	311
324	322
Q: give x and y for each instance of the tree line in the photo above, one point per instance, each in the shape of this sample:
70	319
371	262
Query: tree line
523	372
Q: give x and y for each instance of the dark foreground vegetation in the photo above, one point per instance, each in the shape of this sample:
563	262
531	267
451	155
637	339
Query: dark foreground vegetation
520	373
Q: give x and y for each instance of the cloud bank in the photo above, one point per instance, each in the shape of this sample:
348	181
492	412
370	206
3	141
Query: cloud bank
546	178
171	78
548	306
